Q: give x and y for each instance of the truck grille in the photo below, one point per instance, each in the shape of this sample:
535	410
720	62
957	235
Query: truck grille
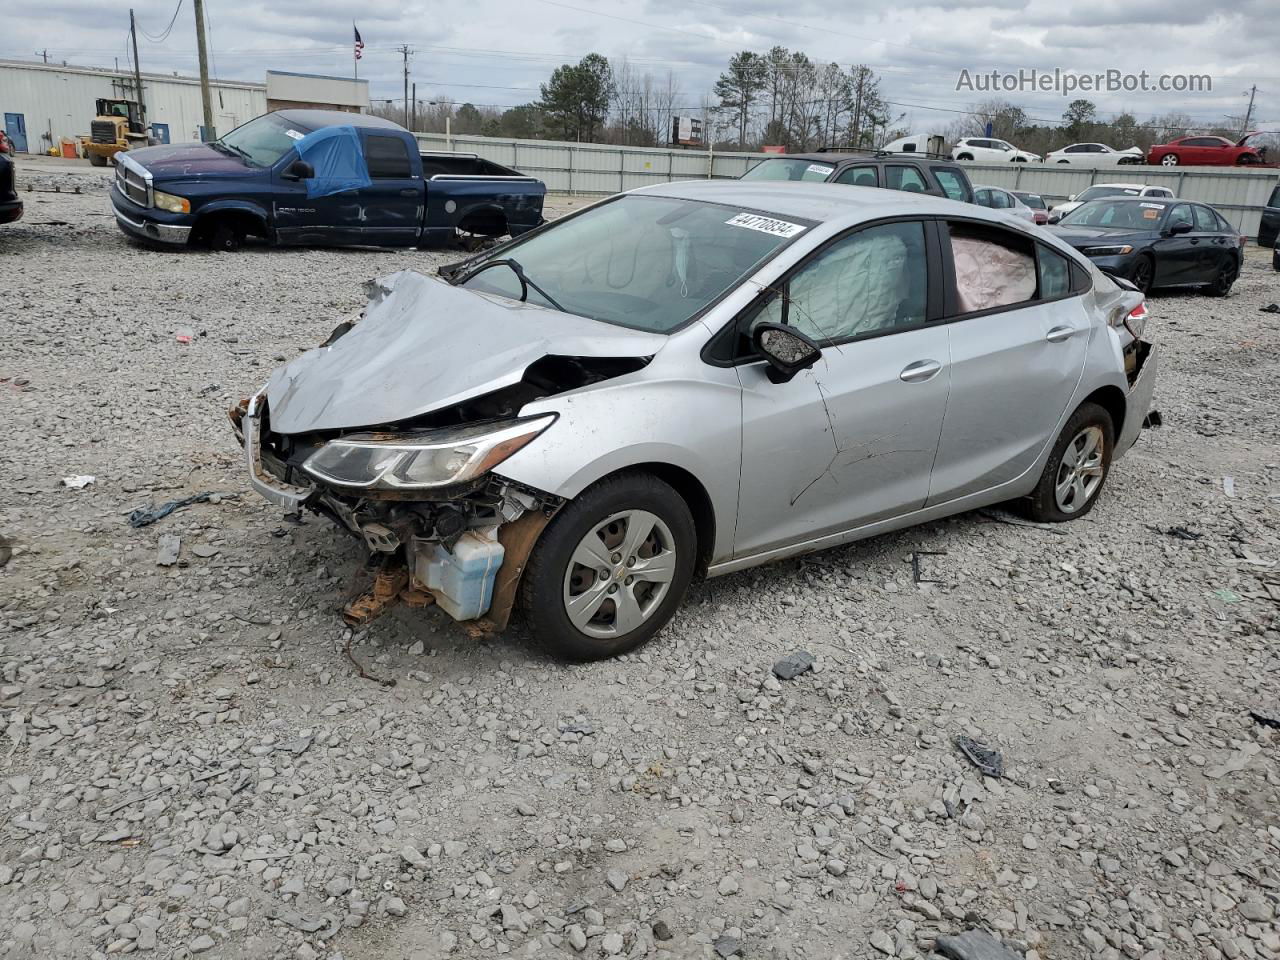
103	131
132	185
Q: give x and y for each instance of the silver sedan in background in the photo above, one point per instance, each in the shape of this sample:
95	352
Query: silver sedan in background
693	379
998	198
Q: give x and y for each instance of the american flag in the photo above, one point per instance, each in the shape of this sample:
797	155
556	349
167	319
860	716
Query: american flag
359	47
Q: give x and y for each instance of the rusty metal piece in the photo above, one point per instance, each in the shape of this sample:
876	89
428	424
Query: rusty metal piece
416	595
387	585
517	539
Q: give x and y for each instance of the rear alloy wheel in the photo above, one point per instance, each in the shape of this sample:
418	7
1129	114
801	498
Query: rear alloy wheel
1169	160
1077	467
1144	270
1224	279
611	568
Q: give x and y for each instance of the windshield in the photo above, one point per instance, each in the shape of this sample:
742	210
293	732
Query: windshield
263	141
649	263
789	168
1031	200
1116	215
1096	193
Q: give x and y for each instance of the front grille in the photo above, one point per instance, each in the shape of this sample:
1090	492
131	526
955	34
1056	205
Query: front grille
133	185
103	131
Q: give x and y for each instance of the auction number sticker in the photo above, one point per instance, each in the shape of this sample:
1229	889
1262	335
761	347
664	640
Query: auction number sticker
753	221
1152	206
818	168
294	134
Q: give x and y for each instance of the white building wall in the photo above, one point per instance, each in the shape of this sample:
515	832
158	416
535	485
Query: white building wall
61	99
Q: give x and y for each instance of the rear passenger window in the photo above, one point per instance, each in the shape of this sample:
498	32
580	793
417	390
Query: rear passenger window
859	177
993	268
951	183
1275	198
388	158
869	282
1206	222
901	177
1053	273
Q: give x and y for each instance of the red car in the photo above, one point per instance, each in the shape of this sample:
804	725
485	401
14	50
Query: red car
1204	152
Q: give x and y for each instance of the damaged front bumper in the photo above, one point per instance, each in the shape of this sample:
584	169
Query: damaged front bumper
463	548
1142	364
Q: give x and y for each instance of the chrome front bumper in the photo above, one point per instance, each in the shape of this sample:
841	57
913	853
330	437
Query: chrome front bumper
270	487
1141	390
164	232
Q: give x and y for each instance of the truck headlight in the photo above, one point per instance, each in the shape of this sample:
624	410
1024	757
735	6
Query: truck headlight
174	204
425	460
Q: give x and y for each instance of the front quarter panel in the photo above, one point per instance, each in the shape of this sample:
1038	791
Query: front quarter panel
693	424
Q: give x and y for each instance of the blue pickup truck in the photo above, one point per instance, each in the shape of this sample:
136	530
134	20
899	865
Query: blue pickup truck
318	178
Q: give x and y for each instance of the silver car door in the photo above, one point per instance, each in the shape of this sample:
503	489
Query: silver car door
852	439
1019	335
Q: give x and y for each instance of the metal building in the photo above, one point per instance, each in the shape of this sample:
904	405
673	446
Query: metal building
307	91
43	103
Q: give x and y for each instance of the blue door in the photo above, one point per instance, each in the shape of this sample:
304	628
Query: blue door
160	131
15	126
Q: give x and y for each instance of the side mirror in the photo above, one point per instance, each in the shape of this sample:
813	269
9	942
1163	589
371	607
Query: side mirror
787	350
1180	227
299	170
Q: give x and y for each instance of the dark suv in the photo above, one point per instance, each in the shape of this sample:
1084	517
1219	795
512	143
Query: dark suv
897	171
10	205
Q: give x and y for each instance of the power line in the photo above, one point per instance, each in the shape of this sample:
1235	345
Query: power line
167	30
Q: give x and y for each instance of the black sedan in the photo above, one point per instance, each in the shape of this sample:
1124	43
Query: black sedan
10	205
1157	243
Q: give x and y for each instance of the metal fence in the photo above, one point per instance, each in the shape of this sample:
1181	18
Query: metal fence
1239	193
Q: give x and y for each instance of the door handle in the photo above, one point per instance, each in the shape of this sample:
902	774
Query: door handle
920	371
408	193
1194	241
1058	334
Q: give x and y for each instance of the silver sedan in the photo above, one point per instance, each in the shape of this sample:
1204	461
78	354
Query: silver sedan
693	379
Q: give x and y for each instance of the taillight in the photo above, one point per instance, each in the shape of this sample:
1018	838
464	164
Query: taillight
1136	321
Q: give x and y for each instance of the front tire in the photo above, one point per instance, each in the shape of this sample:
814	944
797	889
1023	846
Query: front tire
1077	467
1144	271
610	570
224	236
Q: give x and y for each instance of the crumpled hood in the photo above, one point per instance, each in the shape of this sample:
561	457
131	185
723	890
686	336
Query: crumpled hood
424	345
190	160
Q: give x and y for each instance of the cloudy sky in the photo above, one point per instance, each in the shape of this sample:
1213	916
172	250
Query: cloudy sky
496	52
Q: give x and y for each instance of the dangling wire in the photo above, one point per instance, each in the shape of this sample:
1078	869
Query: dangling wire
167	30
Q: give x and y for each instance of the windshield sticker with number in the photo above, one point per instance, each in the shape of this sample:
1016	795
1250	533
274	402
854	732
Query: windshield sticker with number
294	134
753	221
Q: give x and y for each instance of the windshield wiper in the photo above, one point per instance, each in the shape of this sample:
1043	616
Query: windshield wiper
227	146
525	282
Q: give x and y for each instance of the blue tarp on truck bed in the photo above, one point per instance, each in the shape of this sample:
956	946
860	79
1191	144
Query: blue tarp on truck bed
336	155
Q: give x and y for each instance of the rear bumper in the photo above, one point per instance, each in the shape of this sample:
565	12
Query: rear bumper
10	211
1142	386
144	224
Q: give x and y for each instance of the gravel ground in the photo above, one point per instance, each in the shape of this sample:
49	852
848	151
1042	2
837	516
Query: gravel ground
191	766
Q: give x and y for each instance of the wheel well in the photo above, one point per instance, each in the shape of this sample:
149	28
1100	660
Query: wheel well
248	223
486	223
1112	400
695	495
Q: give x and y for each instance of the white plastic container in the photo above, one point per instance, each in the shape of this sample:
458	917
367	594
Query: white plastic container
462	580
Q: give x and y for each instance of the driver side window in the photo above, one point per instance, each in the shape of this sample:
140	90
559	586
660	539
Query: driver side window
869	282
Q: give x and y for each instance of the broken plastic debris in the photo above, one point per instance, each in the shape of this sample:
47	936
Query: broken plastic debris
1227	596
145	516
1270	308
792	665
990	762
167	550
974	945
78	482
185	336
1181	533
1229	486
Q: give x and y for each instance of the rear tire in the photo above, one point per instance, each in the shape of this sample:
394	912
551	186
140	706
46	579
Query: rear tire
1169	160
1224	279
630	590
1077	467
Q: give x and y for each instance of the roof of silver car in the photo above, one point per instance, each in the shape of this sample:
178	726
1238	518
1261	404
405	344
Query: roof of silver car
820	202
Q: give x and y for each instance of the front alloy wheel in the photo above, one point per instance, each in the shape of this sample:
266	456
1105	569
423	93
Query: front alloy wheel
610	569
619	574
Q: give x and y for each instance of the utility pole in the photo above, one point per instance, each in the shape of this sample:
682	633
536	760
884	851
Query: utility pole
44	54
1248	115
137	72
415	107
404	52
211	133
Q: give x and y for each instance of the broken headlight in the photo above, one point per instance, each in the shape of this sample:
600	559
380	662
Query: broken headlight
432	458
